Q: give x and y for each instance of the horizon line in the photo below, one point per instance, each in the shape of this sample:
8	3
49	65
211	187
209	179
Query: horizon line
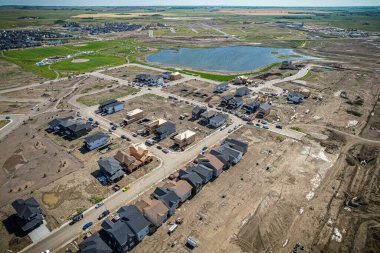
179	5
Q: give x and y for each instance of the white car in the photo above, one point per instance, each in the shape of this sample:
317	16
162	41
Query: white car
99	204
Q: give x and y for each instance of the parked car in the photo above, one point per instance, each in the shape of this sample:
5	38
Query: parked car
90	119
279	126
76	218
103	214
99	204
204	148
258	124
159	147
123	137
87	225
7	117
165	150
126	188
116	187
266	126
250	123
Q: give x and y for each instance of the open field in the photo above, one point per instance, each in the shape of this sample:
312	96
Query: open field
129	73
3	123
116	92
12	75
15	107
116	15
187	89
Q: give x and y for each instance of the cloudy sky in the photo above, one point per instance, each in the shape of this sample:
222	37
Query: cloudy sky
193	2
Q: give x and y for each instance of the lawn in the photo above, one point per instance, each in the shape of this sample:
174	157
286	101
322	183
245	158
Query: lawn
4	122
95	61
38	53
98	98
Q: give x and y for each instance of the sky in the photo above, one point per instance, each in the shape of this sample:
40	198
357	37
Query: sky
192	2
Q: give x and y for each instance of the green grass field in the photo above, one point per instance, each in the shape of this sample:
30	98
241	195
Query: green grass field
3	123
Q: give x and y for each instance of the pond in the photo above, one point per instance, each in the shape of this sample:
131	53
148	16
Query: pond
224	59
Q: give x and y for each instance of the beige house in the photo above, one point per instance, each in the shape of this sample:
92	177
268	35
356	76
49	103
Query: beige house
154	210
127	161
152	125
182	188
133	116
175	76
185	138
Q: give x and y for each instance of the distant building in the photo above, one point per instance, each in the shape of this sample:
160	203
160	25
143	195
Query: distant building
168	197
152	125
96	140
220	88
197	112
193	179
211	162
129	162
181	187
111	106
175	76
264	110
206	116
231	102
29	214
150	80
288	65
242	80
242	91
251	107
295	98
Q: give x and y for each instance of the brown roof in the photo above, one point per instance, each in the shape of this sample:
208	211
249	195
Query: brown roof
181	187
153	206
214	161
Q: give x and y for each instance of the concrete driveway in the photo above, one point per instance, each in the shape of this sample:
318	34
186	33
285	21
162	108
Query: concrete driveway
39	233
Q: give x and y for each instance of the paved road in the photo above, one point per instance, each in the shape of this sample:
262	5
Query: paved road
16	121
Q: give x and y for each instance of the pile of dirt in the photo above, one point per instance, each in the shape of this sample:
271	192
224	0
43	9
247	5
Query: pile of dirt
39	145
333	142
14	161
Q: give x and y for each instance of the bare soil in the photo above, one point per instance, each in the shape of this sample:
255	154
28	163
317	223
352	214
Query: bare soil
129	73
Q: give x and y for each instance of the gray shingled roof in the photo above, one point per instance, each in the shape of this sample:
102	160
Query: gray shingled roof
94	244
134	218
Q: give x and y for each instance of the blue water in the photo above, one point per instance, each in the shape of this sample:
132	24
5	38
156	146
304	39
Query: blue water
224	59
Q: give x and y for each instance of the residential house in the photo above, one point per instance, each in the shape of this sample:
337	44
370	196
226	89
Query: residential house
154	210
251	107
29	214
133	116
264	110
288	65
193	179
69	127
118	235
295	98
197	112
135	220
175	76
111	106
217	120
231	102
150	80
181	187
224	158
126	160
206	116
234	156
152	125
111	169
242	91
185	138
94	244
168	197
165	130
204	172
96	140
242	80
140	152
220	88
212	162
239	145
166	75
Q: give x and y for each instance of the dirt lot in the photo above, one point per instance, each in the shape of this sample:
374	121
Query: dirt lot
115	92
16	107
219	215
12	76
187	89
349	115
157	107
129	73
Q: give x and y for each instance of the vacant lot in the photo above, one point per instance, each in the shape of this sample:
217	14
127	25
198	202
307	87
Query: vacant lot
15	107
156	107
12	76
116	92
188	88
129	73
